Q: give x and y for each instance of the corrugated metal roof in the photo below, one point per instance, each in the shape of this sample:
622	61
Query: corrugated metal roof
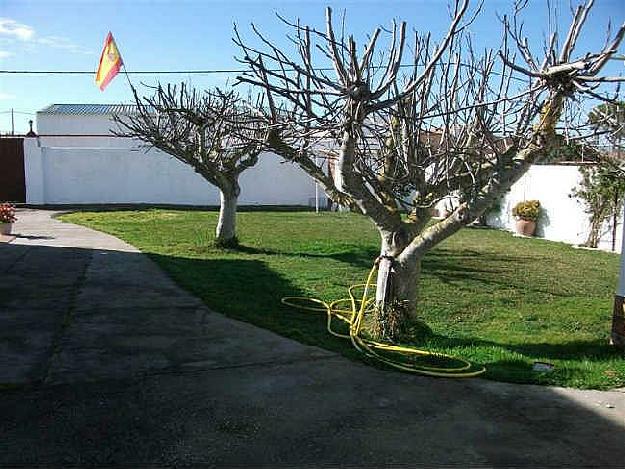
90	109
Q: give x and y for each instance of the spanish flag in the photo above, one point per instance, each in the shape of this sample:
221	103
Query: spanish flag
110	63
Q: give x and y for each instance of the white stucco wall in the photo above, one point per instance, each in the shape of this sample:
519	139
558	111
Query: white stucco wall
33	171
562	216
79	161
276	182
75	175
63	130
80	124
108	175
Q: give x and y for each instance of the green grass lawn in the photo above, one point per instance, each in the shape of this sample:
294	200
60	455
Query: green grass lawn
497	300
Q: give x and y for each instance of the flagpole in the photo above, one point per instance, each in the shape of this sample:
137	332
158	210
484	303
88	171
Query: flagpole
127	76
125	70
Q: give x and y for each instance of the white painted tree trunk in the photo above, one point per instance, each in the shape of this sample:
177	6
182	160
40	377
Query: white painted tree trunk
226	226
397	286
398	282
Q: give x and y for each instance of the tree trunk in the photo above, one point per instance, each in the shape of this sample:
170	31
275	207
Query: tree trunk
396	287
599	215
225	234
595	233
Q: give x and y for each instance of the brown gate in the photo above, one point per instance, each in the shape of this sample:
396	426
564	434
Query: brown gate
12	181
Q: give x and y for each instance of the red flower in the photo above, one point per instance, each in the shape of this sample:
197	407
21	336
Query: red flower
7	213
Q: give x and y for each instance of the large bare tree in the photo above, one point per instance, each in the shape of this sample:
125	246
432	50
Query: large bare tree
400	136
211	131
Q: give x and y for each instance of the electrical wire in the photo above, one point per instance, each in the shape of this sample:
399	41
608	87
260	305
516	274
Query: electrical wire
18	112
196	72
141	72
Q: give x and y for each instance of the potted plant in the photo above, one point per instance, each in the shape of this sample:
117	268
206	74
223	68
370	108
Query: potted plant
526	213
7	218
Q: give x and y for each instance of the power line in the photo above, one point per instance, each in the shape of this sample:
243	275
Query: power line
17	112
195	72
211	72
142	72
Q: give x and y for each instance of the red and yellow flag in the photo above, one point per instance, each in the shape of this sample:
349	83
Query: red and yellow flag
110	63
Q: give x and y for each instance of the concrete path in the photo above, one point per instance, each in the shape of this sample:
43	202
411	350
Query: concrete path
103	359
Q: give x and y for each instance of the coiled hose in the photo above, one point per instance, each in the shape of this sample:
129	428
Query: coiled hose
382	352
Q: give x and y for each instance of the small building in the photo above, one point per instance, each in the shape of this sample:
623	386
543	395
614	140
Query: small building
77	159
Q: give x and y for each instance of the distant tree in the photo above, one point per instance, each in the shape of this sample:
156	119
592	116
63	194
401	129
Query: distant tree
609	121
609	118
401	135
211	131
572	151
602	189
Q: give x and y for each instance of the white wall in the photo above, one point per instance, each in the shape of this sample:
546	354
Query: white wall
77	162
66	130
276	182
98	175
74	175
562	217
80	124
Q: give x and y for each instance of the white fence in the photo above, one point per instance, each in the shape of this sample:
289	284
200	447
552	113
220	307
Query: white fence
108	175
562	216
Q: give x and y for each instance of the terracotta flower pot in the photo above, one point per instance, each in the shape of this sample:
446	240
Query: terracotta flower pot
525	227
5	228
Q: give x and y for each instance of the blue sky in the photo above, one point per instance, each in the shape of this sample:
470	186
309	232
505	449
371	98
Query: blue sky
192	35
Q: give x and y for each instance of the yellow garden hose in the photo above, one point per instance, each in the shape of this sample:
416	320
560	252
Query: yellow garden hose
378	350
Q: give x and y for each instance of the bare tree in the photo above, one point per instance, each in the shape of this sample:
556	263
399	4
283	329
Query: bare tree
212	131
454	124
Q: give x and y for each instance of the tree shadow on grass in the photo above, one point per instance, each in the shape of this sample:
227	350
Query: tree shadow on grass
465	269
591	350
576	349
355	256
454	267
250	291
568	358
513	362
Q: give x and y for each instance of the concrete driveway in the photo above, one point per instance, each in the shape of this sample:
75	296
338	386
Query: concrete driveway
104	360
